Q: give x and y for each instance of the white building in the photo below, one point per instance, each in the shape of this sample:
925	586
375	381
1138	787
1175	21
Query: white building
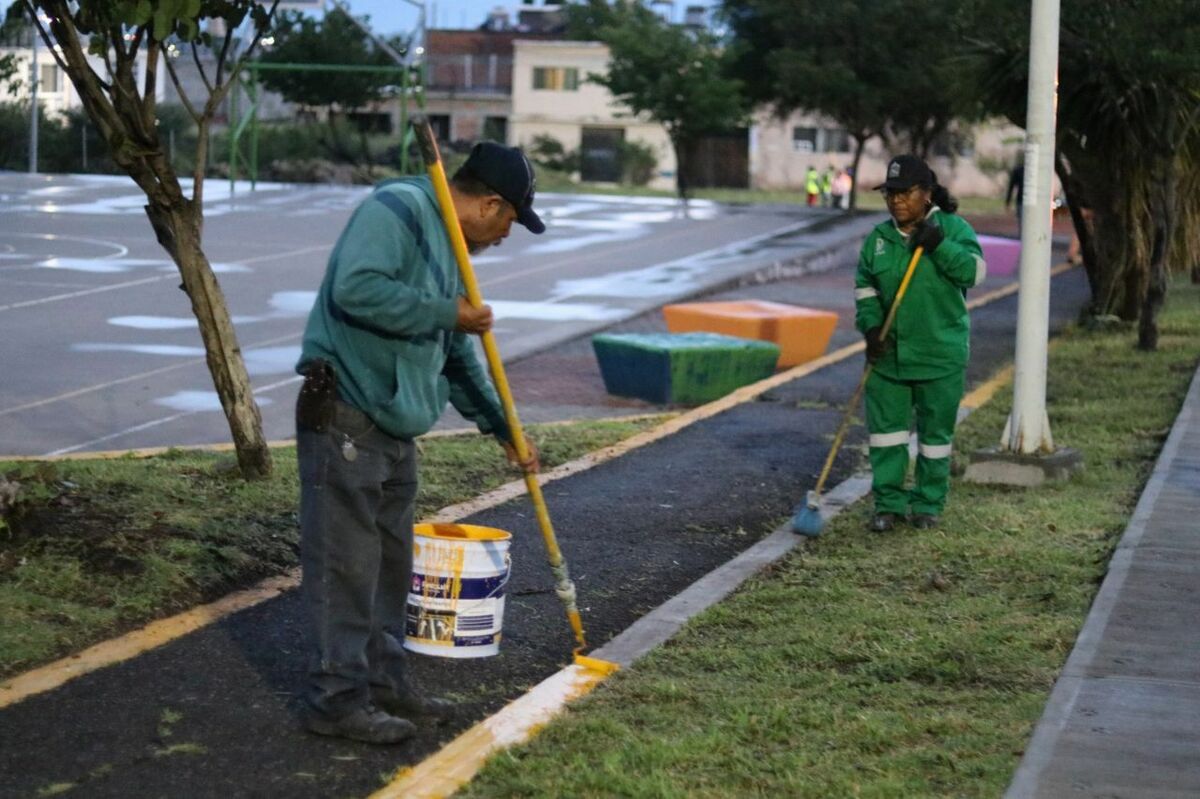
781	151
56	94
551	96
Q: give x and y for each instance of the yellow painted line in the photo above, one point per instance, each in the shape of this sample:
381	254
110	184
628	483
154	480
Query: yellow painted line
150	452
985	391
135	643
1013	287
452	767
145	452
744	394
165	630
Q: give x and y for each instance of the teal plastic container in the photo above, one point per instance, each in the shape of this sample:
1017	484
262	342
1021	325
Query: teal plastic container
681	368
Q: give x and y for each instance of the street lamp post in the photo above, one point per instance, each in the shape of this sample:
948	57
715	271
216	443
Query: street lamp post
1026	455
34	76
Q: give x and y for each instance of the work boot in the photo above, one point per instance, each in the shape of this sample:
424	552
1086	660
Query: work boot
883	522
925	521
411	703
368	724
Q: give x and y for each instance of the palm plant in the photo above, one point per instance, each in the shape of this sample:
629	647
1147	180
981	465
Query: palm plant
1129	106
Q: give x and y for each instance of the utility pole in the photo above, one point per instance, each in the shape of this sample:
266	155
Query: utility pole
1028	428
34	76
1026	455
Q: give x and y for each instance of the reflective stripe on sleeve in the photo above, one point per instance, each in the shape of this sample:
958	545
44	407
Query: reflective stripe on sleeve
934	451
980	270
899	438
862	294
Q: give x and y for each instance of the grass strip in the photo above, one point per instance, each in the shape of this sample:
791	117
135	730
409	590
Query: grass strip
94	548
901	665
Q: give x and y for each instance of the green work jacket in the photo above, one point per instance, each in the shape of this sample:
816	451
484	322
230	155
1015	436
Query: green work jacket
385	317
930	337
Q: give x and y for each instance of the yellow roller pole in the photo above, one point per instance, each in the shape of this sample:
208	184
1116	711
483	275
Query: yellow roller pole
564	588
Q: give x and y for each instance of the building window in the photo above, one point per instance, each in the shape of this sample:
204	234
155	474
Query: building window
556	79
836	141
820	140
496	129
440	124
804	140
48	78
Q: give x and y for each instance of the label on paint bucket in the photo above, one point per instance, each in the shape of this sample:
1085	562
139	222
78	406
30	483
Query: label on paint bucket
456	598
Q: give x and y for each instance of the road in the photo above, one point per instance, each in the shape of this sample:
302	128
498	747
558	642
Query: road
101	350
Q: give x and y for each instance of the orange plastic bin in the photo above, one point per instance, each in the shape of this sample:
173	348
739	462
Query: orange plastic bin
801	333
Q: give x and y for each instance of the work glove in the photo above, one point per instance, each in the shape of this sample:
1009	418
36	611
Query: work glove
876	346
927	235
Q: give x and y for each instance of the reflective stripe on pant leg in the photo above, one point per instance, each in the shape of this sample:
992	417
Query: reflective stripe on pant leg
889	408
936	404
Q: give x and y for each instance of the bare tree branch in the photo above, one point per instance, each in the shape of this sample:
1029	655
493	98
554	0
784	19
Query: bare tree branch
221	58
200	68
187	103
237	68
136	43
29	5
150	82
198	168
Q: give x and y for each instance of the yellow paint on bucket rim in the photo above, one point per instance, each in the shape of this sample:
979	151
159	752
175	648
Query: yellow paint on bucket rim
460	532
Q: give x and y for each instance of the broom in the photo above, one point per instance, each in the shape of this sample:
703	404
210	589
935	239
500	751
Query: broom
807	520
565	588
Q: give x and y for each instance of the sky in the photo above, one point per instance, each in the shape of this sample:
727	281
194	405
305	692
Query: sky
400	16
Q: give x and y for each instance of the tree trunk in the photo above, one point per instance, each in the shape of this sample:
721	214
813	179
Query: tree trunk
178	230
860	144
1077	200
682	160
1162	209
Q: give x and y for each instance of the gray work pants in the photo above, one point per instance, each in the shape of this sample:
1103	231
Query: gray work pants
356	539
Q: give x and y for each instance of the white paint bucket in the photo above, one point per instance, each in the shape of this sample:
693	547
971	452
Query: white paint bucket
456	599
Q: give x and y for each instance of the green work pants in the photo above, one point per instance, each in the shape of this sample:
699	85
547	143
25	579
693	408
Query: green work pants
890	404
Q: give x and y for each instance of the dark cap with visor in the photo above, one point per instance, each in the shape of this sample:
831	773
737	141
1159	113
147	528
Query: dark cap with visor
506	171
906	171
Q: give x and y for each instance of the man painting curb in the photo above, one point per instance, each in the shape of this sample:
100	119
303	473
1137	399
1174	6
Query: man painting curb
386	346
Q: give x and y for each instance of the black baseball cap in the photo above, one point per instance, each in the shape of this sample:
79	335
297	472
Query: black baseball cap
506	171
906	171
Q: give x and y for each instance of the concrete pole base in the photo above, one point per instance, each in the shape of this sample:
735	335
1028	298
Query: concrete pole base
997	466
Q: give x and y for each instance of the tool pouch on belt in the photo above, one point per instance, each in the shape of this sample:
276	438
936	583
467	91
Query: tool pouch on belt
314	407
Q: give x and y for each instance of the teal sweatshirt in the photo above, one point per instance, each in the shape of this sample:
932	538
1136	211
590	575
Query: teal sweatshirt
385	317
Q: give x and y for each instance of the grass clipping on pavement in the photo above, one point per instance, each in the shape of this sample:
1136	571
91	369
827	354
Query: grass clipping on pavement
92	548
897	665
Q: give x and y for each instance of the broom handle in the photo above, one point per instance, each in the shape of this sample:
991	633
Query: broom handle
437	173
862	383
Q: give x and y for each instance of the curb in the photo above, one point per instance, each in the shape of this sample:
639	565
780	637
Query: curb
1060	706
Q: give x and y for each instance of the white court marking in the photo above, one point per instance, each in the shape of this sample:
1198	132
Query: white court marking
158	422
144	281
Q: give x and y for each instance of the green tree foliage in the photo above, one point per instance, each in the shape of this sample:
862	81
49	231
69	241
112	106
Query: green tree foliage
1128	136
672	75
878	67
112	51
334	40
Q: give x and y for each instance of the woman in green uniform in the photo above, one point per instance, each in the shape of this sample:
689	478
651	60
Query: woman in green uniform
921	363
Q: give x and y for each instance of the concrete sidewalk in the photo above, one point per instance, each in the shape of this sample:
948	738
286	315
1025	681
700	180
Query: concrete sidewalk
1124	717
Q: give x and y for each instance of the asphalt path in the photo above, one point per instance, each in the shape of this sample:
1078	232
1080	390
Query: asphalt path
100	349
213	714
